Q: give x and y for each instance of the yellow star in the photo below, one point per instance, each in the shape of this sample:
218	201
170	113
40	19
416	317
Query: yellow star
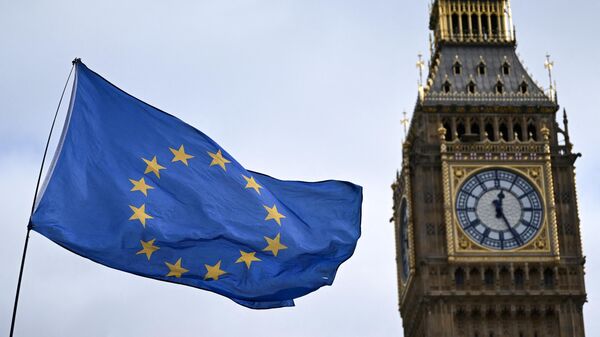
139	213
274	214
140	185
153	166
274	245
180	155
176	269
251	183
148	248
218	159
247	258
214	272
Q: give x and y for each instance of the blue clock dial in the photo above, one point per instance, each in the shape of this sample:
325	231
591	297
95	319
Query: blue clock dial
499	209
404	239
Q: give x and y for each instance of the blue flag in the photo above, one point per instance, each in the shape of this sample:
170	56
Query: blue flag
136	189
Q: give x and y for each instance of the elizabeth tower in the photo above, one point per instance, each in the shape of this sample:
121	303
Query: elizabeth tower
485	205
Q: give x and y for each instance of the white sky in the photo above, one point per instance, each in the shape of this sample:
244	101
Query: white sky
305	90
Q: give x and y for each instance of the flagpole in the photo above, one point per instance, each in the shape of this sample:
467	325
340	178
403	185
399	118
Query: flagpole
37	186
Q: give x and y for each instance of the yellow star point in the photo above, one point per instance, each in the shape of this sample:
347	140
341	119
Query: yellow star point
274	245
213	272
180	155
148	248
218	159
176	269
139	213
140	185
273	214
247	258
251	183
153	166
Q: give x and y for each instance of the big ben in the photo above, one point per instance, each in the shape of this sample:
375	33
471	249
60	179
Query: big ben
485	205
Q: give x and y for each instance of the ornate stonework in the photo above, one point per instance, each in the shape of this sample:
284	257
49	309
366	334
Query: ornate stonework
477	112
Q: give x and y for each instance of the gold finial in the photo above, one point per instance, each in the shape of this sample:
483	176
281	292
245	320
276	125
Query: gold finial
404	123
442	132
420	66
545	132
549	65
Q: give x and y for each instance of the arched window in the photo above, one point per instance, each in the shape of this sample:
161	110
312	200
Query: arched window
459	277
518	131
499	88
484	28
457	68
488	277
475	24
519	278
481	68
475	277
455	24
523	87
475	128
489	130
465	25
548	278
446	86
505	68
460	129
471	87
494	19
531	132
503	131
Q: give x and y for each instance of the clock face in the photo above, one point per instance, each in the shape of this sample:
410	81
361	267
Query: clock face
404	238
499	209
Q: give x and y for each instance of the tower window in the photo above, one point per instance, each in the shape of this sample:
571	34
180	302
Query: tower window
481	68
523	87
475	24
518	131
519	278
548	278
455	24
503	132
459	277
489	130
460	130
446	86
465	25
505	68
494	19
457	68
475	129
531	132
488	277
471	87
484	28
499	88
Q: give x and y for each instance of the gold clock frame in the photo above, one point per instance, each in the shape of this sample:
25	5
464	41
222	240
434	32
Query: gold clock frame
544	247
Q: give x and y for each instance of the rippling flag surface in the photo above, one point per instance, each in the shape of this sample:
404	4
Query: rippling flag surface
136	189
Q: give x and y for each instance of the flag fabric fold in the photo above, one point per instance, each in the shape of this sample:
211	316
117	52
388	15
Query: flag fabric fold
136	189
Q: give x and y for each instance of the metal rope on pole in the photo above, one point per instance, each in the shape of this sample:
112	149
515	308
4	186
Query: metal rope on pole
37	186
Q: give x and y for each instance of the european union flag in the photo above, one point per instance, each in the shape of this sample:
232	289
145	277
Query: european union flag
136	189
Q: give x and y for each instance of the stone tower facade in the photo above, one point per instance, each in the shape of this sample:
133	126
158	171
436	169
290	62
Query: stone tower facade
485	204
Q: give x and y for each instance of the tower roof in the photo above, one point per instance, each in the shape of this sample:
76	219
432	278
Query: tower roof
481	75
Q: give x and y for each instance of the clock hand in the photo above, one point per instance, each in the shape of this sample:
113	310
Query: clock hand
512	230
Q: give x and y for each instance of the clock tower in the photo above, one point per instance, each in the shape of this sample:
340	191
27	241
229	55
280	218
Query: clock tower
485	204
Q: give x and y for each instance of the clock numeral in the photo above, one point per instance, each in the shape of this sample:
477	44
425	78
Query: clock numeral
531	209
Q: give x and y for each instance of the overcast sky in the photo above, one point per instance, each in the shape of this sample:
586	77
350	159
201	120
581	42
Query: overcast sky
322	84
